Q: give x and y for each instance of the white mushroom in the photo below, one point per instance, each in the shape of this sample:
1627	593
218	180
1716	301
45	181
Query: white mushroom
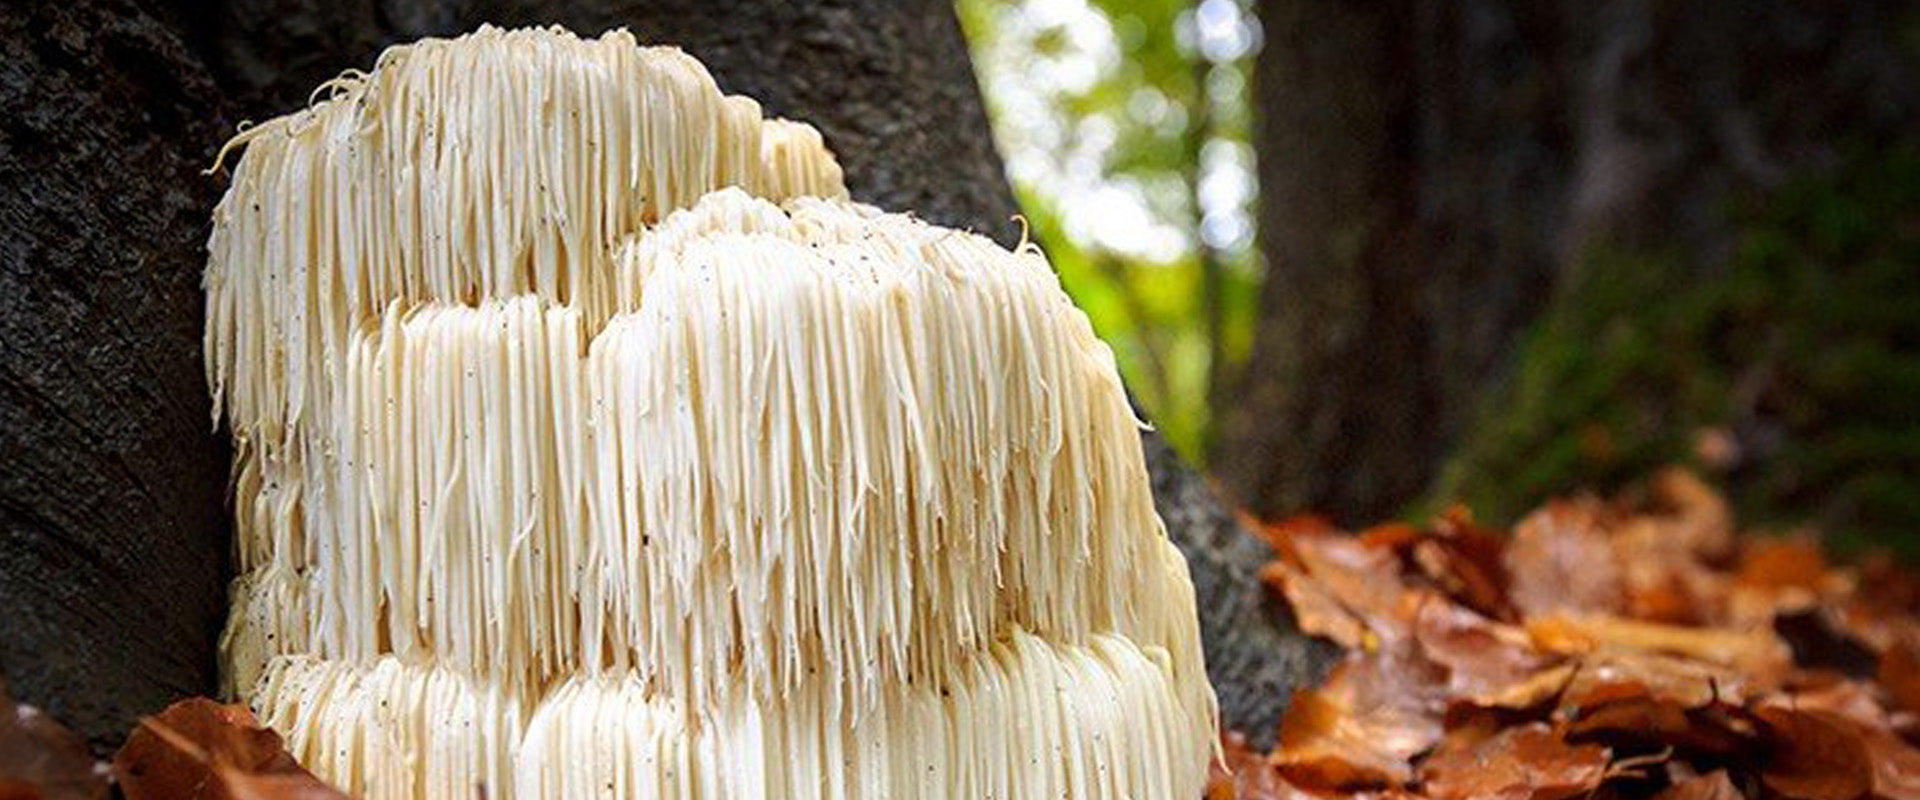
589	443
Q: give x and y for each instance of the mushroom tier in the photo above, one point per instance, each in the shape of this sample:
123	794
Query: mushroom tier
826	445
1025	719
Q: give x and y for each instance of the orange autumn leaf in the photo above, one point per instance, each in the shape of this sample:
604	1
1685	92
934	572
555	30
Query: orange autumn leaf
1527	762
1484	659
1896	764
1816	755
1360	729
42	759
1714	785
1639	626
1783	564
1757	653
1342	588
201	750
1316	611
1243	774
1899	674
1562	559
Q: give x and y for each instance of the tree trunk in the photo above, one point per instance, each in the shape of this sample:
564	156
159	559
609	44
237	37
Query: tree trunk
112	537
890	86
1431	171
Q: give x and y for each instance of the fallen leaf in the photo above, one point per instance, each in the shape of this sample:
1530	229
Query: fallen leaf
1758	653
1483	658
40	758
1562	559
1363	580
1527	762
1816	755
1714	785
1242	774
201	750
1465	561
1899	674
1645	720
1694	517
1896	764
1316	610
1362	727
1783	563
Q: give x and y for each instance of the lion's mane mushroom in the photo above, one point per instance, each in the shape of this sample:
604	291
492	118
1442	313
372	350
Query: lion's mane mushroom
590	443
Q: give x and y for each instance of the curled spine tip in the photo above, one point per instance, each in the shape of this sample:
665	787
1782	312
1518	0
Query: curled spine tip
245	132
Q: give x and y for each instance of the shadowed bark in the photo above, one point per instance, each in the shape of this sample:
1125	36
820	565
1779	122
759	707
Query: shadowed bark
112	539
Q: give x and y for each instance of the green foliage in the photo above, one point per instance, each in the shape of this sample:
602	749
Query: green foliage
1109	168
1802	347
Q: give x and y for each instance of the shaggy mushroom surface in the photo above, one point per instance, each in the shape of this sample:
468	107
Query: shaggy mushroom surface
590	442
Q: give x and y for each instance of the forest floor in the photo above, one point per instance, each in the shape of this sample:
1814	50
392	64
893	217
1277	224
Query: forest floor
1631	647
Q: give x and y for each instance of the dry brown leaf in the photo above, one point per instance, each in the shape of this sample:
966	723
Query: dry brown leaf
1816	755
1527	762
1689	683
1562	559
1899	674
1243	774
201	750
1484	659
1316	610
1757	653
40	758
1694	516
1644	719
1326	570
1362	728
1714	785
1465	561
1837	695
1896	764
1783	563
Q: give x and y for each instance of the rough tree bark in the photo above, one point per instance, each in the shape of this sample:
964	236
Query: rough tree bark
112	541
888	83
1430	171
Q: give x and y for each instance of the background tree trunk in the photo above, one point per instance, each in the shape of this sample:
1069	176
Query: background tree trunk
1431	172
888	83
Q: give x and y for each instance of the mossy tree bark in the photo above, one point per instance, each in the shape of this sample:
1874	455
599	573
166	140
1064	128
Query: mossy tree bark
1432	172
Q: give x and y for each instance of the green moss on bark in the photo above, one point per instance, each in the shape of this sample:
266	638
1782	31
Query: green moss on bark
1800	342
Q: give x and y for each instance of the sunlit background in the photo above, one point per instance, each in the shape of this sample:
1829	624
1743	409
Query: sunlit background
1600	240
1125	130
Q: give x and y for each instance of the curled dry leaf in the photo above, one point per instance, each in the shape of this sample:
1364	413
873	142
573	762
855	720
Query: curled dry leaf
1315	609
1528	762
1242	774
1899	673
1562	560
1464	560
1816	755
1362	728
1714	785
1340	586
1755	653
1638	626
1487	662
201	750
40	759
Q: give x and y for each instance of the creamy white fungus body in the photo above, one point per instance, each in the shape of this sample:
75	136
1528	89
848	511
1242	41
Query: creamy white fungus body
590	443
